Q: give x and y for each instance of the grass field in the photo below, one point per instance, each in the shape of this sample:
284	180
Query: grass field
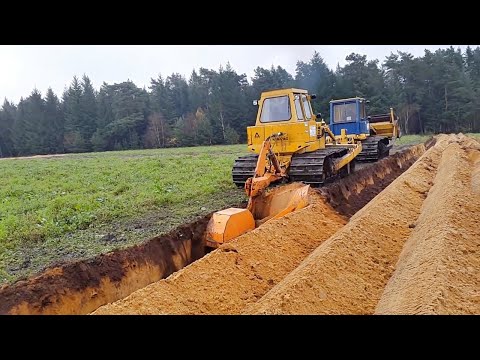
80	205
416	139
475	136
411	139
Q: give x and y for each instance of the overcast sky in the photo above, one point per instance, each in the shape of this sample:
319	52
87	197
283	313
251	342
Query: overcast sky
22	67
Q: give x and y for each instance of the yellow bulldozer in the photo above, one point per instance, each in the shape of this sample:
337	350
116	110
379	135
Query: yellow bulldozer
287	145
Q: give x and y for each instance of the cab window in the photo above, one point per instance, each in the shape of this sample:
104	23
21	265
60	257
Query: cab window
276	109
362	110
298	107
306	107
345	112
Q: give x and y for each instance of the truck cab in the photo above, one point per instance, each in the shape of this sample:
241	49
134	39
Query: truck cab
349	114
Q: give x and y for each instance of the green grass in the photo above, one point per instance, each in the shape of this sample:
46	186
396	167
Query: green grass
58	208
416	139
475	136
411	139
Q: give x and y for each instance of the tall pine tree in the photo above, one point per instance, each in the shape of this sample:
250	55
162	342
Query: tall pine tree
54	121
74	136
7	120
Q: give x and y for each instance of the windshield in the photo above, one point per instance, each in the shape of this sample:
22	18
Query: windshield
345	112
276	109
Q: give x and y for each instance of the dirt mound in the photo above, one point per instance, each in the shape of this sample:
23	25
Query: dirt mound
240	272
350	194
438	271
348	272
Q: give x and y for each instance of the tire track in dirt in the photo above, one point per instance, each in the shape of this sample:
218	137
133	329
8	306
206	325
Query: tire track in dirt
348	273
438	271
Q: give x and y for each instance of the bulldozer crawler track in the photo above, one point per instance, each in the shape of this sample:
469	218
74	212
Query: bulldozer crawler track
315	167
374	148
244	168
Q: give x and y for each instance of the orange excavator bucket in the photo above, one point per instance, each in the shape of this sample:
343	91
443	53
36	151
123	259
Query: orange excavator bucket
280	201
228	224
263	204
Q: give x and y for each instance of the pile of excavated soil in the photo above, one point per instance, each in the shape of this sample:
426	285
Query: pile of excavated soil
80	287
352	193
438	271
348	273
239	272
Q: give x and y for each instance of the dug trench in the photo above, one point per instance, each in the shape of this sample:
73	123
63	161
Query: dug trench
438	270
412	250
234	276
80	287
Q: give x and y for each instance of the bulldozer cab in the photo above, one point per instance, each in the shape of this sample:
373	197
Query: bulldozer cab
287	112
349	114
285	105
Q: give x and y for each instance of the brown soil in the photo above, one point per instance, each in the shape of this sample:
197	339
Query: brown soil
82	286
352	193
240	272
438	271
348	272
433	209
79	287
